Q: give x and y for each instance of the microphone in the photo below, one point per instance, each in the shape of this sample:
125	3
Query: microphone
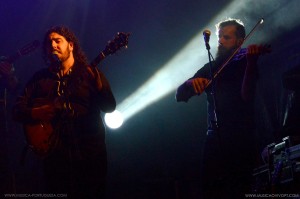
56	63
54	57
206	35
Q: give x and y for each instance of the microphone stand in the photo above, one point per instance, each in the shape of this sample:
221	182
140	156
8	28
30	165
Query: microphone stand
213	119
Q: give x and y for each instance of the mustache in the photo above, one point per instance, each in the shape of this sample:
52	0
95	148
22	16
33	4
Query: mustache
221	47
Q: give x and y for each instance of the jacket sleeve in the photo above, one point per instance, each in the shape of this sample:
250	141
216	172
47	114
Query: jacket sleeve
84	98
106	97
184	93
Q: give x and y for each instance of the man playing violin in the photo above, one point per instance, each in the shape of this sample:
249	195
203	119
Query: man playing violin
228	157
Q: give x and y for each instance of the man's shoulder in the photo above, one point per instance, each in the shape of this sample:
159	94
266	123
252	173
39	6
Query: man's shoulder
204	71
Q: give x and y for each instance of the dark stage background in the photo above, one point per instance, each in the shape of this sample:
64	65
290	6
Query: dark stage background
157	152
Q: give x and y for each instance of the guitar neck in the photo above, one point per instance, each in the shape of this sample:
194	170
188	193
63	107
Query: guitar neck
23	51
14	57
121	40
98	59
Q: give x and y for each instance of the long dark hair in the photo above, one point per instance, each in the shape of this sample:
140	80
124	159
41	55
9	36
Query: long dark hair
64	31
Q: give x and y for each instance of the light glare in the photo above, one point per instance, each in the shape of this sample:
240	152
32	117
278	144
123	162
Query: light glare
113	120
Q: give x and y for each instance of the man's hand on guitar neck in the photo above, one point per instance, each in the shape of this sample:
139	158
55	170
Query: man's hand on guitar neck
6	68
43	113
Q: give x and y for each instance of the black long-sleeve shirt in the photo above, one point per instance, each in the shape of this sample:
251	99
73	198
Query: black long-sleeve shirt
231	110
78	101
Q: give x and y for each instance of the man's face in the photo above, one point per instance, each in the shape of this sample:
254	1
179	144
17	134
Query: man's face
228	40
60	46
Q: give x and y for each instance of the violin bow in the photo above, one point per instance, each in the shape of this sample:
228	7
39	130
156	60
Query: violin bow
235	52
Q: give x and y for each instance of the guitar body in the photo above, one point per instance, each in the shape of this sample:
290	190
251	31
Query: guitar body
38	136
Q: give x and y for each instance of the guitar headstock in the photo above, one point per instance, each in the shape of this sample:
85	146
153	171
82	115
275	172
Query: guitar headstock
119	41
23	51
29	47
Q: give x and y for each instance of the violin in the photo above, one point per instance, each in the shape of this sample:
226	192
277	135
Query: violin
263	49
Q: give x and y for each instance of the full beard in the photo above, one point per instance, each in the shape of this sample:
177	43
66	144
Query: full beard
59	56
223	54
56	59
65	55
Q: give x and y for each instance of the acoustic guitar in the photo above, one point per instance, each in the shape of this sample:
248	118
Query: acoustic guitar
41	136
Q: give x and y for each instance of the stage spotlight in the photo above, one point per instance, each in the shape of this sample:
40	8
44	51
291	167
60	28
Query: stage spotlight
113	120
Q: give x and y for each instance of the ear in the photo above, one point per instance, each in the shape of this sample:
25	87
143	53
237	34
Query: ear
71	46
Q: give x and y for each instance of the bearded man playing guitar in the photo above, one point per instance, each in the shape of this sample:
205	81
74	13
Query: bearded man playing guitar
60	109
